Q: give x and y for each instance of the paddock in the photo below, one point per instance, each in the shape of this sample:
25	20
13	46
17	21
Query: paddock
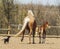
52	42
15	43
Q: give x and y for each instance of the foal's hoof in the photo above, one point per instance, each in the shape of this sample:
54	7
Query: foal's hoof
43	42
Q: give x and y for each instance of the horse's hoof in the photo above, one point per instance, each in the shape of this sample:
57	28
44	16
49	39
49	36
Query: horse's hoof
33	43
21	40
39	42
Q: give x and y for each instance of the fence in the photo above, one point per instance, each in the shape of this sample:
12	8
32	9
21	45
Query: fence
49	34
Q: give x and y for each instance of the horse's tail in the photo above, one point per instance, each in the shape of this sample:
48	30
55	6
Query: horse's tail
23	36
22	30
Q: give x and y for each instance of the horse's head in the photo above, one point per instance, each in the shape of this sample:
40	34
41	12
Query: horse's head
30	13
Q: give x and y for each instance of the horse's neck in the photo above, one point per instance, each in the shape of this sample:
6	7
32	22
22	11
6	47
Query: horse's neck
32	19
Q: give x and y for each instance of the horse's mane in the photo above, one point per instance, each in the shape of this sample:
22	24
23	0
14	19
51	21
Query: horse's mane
30	14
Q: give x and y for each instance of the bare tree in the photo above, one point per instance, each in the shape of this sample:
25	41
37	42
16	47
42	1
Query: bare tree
10	10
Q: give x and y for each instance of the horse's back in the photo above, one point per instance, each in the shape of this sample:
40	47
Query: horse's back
31	25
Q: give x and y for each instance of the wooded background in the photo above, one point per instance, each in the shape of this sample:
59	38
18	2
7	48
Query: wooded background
11	13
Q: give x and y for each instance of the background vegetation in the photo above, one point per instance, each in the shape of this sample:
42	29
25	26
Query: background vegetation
13	15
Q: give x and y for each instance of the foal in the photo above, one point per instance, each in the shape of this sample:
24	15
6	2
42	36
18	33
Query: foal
42	32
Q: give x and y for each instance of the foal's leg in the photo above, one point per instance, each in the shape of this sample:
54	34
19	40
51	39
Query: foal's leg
22	35
44	36
39	37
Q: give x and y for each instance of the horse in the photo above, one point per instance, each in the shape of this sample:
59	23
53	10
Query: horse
29	24
41	30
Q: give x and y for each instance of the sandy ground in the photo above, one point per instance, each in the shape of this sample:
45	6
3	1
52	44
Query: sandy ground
15	43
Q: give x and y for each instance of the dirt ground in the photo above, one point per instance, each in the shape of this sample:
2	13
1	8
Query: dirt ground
15	43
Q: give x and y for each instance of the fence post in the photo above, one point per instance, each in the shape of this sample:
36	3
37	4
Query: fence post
9	30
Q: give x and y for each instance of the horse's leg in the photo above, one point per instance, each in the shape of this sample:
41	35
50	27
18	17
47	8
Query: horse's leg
30	36
22	35
33	36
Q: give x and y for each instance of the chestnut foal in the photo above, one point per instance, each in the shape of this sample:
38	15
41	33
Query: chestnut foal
41	30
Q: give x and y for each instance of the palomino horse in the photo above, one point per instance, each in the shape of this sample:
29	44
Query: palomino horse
30	25
41	30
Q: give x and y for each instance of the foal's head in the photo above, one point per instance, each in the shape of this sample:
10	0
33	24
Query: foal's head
46	24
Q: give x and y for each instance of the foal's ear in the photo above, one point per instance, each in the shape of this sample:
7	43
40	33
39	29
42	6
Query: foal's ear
46	22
